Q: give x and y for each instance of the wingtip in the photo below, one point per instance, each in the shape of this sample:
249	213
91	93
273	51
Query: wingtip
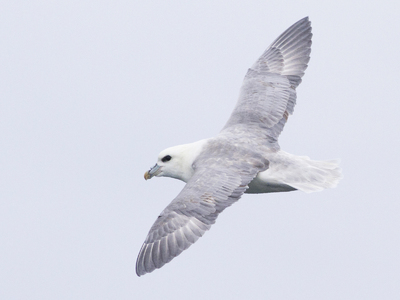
140	269
305	19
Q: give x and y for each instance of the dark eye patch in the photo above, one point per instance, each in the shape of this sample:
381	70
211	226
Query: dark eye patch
166	158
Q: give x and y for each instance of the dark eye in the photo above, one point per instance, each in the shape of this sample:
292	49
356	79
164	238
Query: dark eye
166	158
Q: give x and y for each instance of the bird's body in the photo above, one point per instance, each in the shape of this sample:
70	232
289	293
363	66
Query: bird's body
244	157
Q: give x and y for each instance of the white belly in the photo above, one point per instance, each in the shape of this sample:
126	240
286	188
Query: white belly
263	183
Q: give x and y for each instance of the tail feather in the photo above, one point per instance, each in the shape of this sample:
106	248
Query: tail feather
304	174
316	176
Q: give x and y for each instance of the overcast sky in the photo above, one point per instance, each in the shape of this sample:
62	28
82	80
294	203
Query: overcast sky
92	91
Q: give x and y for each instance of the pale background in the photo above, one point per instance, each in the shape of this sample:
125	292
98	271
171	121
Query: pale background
92	91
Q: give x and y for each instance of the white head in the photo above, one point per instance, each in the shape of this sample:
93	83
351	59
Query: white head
176	162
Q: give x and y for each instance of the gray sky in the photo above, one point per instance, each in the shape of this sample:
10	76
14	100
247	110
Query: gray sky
92	91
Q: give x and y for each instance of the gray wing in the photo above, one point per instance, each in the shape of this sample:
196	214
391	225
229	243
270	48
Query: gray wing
213	187
268	93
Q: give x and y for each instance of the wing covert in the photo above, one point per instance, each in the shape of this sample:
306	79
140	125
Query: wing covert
214	186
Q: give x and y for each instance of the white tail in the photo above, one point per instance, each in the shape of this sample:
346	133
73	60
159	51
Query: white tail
299	172
314	176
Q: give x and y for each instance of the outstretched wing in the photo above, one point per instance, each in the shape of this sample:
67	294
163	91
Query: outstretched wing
268	94
217	182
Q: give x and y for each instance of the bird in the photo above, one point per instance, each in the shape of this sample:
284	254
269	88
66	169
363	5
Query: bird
245	157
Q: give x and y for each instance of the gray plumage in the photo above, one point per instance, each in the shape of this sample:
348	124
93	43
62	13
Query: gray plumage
268	94
220	169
